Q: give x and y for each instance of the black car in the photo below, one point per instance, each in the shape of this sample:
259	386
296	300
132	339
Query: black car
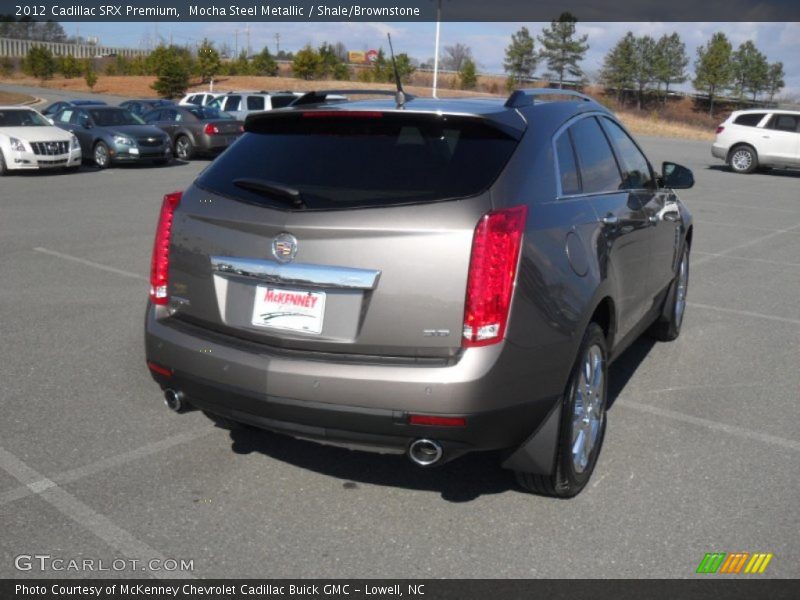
109	134
429	277
140	107
58	106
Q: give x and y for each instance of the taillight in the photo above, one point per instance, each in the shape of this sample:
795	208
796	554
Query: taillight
159	265
156	368
720	128
492	271
211	129
241	128
436	421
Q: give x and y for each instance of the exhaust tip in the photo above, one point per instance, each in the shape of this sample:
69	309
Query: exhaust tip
175	400
425	452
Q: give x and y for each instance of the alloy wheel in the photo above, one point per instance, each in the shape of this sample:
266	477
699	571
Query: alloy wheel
587	418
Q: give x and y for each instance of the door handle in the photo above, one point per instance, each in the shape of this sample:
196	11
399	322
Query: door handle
610	220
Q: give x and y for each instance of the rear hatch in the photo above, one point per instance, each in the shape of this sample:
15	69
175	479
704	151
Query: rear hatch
338	231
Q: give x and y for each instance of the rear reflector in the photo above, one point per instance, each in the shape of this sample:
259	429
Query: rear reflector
720	128
159	369
492	271
437	421
159	264
343	114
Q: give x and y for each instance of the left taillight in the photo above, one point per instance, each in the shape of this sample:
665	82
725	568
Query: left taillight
492	272
159	264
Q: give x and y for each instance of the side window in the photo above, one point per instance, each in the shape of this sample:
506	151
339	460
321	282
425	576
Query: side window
636	173
79	118
598	167
749	119
281	101
232	102
64	116
567	167
783	123
255	103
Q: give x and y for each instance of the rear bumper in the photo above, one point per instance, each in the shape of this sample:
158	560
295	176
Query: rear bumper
718	151
354	404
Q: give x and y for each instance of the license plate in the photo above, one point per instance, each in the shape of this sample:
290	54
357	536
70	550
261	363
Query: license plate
230	139
290	310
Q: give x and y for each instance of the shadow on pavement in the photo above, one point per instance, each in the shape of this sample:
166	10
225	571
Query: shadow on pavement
463	480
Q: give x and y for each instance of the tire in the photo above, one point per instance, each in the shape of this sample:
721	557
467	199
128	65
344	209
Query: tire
743	159
668	325
3	168
184	148
579	419
101	155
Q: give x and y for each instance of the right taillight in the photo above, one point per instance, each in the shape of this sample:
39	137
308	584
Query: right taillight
492	272
720	128
211	129
159	264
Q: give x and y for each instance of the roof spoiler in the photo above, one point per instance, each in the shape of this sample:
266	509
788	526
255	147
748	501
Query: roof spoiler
319	96
527	97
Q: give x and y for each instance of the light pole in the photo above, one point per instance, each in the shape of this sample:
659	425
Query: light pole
436	50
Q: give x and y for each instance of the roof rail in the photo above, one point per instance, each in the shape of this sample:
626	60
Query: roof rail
318	96
527	97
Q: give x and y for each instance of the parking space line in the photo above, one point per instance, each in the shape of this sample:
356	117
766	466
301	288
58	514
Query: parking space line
745	313
779	263
747	244
743	226
713	425
98	524
90	263
758	208
40	485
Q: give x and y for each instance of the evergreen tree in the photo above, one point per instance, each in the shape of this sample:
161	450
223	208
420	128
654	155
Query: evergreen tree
750	70
90	77
264	64
775	80
307	63
670	61
208	62
561	49
618	66
173	77
39	63
714	68
69	67
468	77
521	58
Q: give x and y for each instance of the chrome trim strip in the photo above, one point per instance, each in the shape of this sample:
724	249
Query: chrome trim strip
317	276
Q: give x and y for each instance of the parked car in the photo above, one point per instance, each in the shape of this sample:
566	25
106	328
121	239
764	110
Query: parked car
28	141
109	134
750	139
431	279
196	129
241	104
55	107
140	107
198	98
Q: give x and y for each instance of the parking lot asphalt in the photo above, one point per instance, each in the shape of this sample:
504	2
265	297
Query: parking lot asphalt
701	453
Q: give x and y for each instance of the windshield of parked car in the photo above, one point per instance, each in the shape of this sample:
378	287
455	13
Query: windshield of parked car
21	118
208	113
369	159
111	117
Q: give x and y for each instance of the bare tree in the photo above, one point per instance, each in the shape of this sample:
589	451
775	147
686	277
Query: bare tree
455	57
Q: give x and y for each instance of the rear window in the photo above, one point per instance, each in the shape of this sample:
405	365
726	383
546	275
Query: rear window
378	160
750	119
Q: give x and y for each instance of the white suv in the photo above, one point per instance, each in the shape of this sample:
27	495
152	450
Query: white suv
749	139
241	104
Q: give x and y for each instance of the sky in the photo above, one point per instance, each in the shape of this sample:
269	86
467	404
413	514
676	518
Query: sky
779	41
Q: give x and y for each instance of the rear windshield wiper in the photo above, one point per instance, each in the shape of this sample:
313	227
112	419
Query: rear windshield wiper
273	190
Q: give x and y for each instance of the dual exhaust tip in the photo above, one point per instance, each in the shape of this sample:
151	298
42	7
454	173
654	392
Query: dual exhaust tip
422	452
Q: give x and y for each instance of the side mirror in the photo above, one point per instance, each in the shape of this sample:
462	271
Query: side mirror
676	176
49	120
